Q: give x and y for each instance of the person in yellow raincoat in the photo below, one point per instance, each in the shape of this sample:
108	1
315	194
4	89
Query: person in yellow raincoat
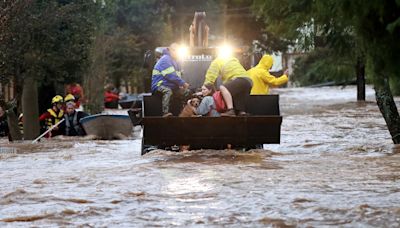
262	79
236	83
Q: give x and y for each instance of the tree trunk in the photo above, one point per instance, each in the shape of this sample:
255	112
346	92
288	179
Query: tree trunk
18	88
12	120
360	71
387	106
95	78
126	81
30	109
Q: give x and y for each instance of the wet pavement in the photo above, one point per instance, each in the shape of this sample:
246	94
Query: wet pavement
336	166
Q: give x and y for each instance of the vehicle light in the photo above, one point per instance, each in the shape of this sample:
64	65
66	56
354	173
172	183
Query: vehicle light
183	52
225	51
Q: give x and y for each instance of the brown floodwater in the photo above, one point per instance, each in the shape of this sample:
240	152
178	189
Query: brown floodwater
336	166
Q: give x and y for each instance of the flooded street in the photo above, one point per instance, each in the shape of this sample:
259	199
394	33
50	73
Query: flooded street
336	166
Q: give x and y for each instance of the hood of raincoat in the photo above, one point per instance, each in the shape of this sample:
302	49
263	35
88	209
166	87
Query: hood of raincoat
166	52
266	62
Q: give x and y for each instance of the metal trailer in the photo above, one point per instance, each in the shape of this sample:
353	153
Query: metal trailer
262	126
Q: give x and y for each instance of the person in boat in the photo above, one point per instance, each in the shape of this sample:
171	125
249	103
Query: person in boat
111	97
236	85
166	79
207	105
53	115
262	79
71	126
71	98
4	131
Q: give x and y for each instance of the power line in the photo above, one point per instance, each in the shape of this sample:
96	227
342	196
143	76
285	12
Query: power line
221	11
228	15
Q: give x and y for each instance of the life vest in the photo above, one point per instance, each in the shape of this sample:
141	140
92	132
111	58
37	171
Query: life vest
75	124
55	117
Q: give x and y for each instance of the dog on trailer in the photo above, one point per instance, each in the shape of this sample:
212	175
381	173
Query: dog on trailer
190	108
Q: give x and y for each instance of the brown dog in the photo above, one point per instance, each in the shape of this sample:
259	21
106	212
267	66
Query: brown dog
190	108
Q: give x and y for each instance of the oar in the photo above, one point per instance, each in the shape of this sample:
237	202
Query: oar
50	129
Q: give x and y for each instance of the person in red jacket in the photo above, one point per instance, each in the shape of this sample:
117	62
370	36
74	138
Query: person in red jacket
111	98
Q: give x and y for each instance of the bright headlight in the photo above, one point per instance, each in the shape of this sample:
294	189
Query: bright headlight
225	51
183	51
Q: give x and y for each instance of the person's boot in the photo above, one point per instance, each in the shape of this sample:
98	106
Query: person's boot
229	112
242	113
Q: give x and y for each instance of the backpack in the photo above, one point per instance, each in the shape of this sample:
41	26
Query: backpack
220	105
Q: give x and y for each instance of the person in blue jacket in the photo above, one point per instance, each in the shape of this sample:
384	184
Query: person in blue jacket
166	78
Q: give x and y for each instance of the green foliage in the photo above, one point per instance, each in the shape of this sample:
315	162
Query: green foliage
125	53
57	41
49	40
143	18
287	20
395	85
321	65
312	27
132	28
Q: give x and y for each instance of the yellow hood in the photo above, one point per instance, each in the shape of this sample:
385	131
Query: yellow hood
266	62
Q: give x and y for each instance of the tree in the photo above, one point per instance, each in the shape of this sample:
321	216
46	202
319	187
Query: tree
37	49
373	26
310	27
130	28
322	65
124	56
377	24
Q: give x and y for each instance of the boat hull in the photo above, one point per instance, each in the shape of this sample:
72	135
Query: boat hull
107	126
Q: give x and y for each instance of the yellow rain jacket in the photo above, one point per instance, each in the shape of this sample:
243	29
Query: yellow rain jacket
228	68
261	77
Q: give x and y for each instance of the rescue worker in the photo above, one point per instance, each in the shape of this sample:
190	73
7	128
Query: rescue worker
70	98
262	79
236	85
53	115
71	126
166	78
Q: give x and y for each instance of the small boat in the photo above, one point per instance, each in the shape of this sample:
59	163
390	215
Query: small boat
108	126
131	101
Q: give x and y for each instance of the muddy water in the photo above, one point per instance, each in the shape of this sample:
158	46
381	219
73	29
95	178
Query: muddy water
335	166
